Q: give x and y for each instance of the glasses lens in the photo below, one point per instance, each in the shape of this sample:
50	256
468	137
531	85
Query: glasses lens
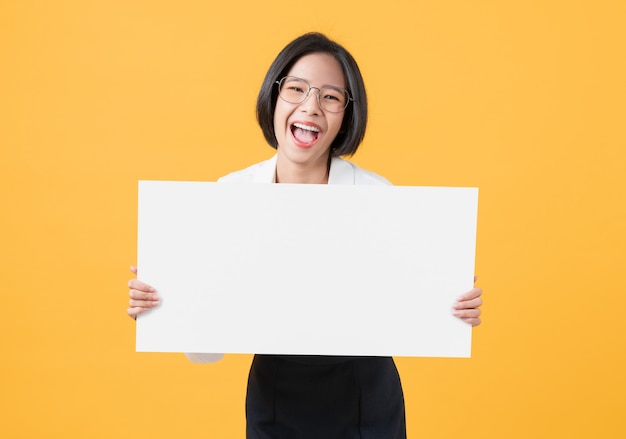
293	90
333	99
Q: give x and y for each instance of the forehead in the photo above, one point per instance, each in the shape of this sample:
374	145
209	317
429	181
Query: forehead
319	69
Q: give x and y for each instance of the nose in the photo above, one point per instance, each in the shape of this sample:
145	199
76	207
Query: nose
312	102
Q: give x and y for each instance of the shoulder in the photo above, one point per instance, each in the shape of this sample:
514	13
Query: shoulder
259	172
345	172
363	176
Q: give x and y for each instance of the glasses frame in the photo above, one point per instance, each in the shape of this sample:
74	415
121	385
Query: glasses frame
319	94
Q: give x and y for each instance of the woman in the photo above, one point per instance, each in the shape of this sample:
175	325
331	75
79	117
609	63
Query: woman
312	108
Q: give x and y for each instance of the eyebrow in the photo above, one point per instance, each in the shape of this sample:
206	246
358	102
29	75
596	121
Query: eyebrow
334	87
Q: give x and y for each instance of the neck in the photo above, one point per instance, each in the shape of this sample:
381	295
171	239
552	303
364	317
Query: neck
290	172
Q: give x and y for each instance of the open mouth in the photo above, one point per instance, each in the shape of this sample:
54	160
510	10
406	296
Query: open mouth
305	134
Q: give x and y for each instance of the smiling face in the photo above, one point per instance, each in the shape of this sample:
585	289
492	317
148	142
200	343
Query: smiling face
305	131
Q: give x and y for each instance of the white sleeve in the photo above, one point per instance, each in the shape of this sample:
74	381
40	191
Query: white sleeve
203	358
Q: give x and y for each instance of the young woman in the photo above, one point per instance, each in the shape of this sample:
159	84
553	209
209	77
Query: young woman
312	109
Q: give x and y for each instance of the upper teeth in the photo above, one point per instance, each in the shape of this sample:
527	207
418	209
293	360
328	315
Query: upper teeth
306	127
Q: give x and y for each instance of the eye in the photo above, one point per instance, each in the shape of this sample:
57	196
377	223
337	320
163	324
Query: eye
295	89
295	86
331	94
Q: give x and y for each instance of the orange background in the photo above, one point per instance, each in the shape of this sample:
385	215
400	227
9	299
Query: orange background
524	99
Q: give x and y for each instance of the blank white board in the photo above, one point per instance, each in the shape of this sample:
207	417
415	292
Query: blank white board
306	269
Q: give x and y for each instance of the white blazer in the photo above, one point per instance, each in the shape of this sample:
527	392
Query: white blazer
341	172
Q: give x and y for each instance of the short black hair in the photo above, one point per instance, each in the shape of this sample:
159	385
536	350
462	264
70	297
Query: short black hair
352	129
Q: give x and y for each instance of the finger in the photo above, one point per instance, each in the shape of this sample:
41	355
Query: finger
136	284
134	270
473	321
467	313
142	295
134	312
143	299
471	294
142	303
467	304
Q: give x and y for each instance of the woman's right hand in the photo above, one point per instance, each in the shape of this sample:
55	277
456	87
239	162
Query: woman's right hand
143	297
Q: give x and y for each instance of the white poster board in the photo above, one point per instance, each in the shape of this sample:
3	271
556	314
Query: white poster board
306	269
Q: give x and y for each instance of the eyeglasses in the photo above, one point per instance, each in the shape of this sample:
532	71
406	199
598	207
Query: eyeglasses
296	90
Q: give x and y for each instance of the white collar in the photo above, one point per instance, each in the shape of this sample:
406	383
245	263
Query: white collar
341	172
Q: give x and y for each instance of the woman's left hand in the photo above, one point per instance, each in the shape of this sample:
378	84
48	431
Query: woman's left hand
467	307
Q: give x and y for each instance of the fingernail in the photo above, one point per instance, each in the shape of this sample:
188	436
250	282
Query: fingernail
456	314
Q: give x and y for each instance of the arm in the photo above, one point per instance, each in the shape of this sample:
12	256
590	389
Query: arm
203	358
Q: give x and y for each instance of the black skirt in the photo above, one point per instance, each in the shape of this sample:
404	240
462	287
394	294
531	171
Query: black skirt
302	397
